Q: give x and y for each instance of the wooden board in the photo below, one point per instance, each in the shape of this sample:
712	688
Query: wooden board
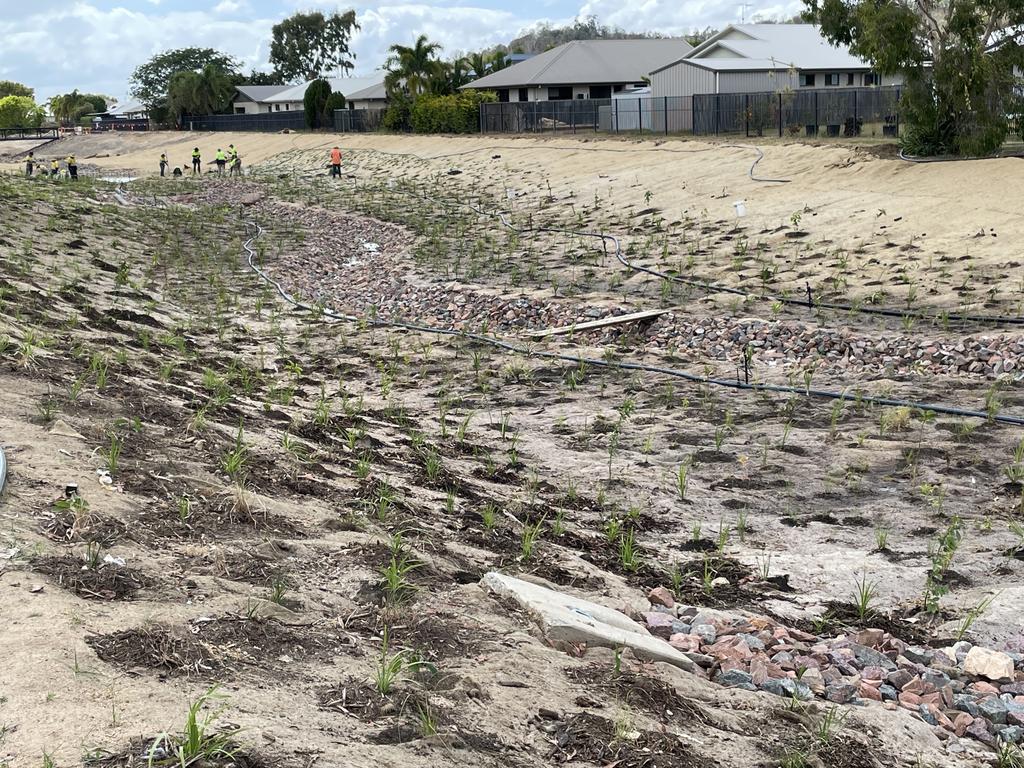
603	322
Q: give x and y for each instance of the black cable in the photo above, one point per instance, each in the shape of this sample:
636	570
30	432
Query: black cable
3	470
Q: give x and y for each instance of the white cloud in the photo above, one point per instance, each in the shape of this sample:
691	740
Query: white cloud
671	17
230	6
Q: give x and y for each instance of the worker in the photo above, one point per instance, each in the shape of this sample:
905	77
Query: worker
221	159
197	162
163	162
54	168
177	172
236	164
72	167
30	163
336	162
232	153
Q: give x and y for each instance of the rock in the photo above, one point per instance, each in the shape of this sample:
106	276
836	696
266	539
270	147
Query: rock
869	637
919	655
841	693
735	678
979	730
685	643
869	692
1012	734
888	692
706	632
701	659
960	723
720	581
926	715
993	665
659	624
993	709
753	642
868	656
899	678
981	688
814	680
661	596
966	703
568	620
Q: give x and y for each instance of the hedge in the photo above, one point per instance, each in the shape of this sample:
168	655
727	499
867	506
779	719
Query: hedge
456	113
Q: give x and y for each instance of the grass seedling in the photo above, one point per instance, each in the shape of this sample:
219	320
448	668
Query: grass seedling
881	539
233	462
864	593
113	453
395	581
278	589
530	537
972	615
629	556
198	743
683	479
489	516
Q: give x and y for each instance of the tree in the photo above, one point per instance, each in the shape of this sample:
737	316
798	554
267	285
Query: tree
315	102
543	37
411	68
956	57
308	46
255	77
335	102
479	64
67	108
199	93
11	88
19	112
151	81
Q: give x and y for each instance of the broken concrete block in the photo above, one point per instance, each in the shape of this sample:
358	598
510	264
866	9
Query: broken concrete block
572	620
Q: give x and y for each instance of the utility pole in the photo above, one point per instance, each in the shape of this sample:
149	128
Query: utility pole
743	12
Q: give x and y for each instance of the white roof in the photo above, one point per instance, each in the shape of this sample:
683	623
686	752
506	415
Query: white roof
351	88
586	62
770	46
128	108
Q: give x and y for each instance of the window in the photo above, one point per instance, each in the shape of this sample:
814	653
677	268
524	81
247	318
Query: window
524	94
806	81
871	78
239	110
559	94
581	95
277	107
849	78
832	79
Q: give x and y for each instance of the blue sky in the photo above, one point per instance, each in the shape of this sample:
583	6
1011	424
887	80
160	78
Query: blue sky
93	45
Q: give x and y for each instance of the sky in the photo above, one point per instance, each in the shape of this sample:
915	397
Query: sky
55	46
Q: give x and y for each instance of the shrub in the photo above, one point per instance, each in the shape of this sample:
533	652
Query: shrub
315	102
17	112
397	116
455	113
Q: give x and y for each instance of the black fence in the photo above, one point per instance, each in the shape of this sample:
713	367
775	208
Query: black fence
666	114
357	120
121	124
818	112
12	134
263	121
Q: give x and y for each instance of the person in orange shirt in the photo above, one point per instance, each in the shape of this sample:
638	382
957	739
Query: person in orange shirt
336	162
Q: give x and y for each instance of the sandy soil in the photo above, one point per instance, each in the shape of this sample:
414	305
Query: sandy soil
142	322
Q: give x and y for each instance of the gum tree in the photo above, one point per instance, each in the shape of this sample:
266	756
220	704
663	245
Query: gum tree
308	46
956	57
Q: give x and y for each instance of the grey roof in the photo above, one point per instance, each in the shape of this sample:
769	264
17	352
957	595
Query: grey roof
748	47
352	88
582	62
261	92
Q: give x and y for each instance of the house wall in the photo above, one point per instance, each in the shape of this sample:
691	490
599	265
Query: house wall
756	82
248	107
682	79
367	104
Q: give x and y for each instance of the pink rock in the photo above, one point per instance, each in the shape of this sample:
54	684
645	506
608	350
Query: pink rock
873	673
960	723
980	686
659	624
911	700
940	717
869	637
685	643
661	596
868	692
933	699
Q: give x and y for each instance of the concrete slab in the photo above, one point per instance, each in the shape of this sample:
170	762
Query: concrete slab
565	619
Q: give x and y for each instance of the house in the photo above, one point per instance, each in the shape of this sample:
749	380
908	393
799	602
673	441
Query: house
582	69
359	92
752	58
253	99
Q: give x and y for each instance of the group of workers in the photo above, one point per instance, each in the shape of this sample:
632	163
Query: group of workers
229	160
34	167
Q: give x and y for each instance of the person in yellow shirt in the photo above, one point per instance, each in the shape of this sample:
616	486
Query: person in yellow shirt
221	159
197	162
72	167
54	169
163	162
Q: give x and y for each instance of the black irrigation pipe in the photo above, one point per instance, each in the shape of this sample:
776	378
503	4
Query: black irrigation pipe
3	470
808	303
507	346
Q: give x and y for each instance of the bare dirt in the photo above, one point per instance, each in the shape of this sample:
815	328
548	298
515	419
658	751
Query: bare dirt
250	475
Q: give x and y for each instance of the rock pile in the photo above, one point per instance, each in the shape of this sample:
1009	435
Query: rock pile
962	691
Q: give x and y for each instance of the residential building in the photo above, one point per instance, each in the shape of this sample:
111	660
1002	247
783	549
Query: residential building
582	69
751	58
359	92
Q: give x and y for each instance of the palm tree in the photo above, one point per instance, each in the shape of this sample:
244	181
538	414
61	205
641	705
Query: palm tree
199	93
411	67
479	63
69	107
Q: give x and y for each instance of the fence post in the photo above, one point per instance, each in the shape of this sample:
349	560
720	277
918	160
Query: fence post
572	117
616	103
746	114
780	114
856	126
640	115
718	113
817	122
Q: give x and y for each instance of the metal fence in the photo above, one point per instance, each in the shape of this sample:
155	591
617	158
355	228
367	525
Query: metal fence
263	121
12	134
832	112
669	114
818	112
121	124
357	120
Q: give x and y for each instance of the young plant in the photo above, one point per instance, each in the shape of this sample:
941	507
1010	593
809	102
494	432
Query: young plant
683	478
863	595
530	537
198	743
629	555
